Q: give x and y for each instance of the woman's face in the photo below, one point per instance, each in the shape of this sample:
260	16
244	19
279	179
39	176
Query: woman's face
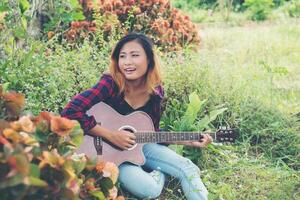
133	61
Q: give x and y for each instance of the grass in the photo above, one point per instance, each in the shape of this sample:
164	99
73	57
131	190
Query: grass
256	59
254	70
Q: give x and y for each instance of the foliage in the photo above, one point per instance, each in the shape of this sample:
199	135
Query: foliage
38	159
168	27
259	9
194	119
293	8
61	13
203	4
270	133
50	74
234	180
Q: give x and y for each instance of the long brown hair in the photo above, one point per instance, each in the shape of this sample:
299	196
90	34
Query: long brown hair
153	75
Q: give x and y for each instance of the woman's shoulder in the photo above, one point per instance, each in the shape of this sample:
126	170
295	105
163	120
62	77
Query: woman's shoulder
106	76
107	81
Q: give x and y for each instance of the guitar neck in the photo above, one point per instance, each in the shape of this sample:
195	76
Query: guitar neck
154	137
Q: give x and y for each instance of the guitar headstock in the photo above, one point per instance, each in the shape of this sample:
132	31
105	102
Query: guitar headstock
226	135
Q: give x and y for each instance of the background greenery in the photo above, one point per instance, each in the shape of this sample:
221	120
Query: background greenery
245	72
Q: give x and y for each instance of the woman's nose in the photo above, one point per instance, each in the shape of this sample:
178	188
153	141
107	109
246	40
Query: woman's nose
128	60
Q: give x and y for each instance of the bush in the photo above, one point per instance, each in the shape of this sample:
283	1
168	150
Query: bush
259	9
38	159
169	28
50	74
293	8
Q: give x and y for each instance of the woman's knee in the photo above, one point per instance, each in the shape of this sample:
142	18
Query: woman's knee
188	168
140	183
149	190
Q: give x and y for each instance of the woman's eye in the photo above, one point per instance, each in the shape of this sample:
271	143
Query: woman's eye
135	55
122	56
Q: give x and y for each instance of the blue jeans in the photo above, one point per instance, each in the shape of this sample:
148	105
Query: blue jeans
162	160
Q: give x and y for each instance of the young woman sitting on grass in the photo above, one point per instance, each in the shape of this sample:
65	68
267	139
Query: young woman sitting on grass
134	84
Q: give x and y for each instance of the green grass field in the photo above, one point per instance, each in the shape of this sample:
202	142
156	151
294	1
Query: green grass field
238	64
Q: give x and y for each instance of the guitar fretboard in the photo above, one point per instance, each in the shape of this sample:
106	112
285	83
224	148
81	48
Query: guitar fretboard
153	137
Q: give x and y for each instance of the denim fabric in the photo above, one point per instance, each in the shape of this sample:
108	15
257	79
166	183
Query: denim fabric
162	160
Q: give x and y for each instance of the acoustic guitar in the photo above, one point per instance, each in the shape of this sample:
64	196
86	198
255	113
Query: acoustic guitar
139	123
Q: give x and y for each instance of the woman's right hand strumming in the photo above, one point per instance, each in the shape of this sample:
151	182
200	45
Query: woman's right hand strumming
122	139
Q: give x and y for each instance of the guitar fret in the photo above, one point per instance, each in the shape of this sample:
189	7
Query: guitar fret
153	137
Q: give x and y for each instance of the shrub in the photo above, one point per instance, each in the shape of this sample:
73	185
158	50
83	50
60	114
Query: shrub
50	74
259	9
169	28
37	159
293	8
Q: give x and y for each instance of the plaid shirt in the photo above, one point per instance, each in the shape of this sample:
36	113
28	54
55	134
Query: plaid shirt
106	90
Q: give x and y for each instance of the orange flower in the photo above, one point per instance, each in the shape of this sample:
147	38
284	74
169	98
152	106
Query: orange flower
61	126
71	34
90	184
3	125
42	121
12	134
14	97
92	29
89	5
176	24
4	141
136	10
75	24
111	170
18	163
100	166
14	100
25	124
51	158
120	198
107	6
117	3
50	34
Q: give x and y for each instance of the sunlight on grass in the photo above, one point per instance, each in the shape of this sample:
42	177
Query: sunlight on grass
260	60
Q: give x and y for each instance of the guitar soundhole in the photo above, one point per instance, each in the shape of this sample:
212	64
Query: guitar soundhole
129	130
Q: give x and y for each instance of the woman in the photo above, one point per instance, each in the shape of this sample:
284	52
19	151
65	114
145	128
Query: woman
134	83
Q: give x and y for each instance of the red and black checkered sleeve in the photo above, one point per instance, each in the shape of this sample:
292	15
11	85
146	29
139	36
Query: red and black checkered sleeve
77	107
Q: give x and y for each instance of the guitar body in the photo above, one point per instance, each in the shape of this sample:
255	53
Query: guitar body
109	118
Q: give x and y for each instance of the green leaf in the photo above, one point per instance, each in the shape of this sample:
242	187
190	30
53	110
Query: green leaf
203	123
12	181
77	16
19	32
78	163
25	5
75	4
106	184
77	135
41	136
213	114
24	22
33	181
34	170
98	194
193	108
4	7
